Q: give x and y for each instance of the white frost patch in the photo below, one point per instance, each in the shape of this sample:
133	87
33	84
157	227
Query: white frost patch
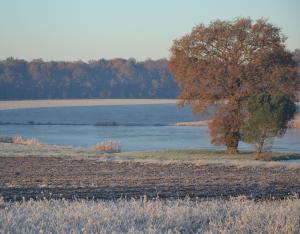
81	102
237	215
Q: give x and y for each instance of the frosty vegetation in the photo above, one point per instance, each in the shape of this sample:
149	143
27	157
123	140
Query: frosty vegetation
108	147
237	215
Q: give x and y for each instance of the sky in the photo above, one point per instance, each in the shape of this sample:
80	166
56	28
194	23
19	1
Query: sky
141	29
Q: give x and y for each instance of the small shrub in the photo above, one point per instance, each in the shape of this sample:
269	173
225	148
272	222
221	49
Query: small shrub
23	141
6	139
269	115
108	147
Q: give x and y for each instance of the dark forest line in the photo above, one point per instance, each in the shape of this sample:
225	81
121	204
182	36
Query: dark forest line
116	78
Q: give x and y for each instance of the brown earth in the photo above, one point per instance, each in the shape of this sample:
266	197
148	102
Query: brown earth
37	177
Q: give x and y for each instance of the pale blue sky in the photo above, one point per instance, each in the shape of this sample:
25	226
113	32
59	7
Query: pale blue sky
93	29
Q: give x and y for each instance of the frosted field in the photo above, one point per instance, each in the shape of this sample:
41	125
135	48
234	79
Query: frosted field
80	102
237	215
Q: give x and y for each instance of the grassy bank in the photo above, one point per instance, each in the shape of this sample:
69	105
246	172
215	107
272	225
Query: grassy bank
43	150
207	155
136	216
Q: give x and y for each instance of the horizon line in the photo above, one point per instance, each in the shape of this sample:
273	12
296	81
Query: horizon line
83	60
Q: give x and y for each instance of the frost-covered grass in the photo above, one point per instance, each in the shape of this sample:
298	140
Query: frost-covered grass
43	150
206	156
160	216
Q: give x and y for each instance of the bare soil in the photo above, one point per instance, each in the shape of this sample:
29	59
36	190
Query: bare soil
55	177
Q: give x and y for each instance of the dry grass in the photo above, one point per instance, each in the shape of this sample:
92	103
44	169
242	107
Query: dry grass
194	123
238	215
19	140
23	141
107	147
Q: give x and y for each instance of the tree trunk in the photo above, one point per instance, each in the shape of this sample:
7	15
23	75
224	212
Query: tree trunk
232	144
260	146
232	150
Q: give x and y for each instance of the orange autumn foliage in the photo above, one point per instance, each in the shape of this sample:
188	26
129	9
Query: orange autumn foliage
226	62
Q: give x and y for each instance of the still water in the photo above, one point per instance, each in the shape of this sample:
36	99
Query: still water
135	127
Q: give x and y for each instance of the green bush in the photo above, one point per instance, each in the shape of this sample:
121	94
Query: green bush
268	116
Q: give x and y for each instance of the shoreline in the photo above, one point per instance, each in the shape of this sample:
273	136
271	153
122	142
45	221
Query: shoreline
24	104
294	123
45	103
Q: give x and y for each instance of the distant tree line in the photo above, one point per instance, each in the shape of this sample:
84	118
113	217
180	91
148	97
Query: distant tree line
116	78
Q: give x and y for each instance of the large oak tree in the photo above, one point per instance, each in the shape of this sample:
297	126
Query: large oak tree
224	63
